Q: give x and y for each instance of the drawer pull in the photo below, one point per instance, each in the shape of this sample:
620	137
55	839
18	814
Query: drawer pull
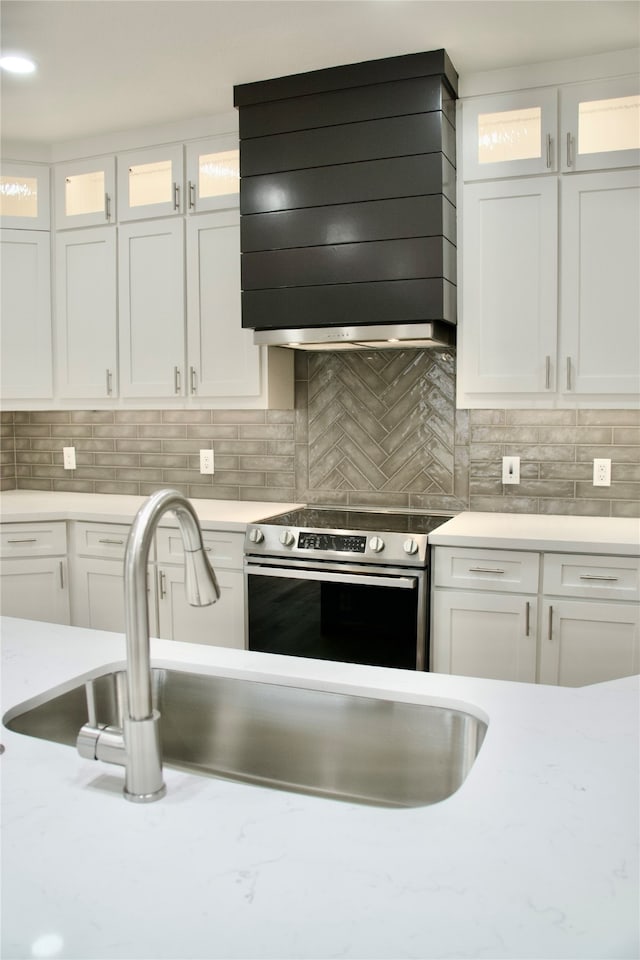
485	570
595	576
115	543
26	540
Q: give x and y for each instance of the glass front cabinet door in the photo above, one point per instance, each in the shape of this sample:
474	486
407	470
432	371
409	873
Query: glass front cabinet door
85	193
213	174
510	134
600	124
24	196
150	183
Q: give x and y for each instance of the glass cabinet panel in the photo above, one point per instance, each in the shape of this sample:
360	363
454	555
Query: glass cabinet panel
213	173
150	182
601	124
24	196
85	192
509	135
219	173
605	125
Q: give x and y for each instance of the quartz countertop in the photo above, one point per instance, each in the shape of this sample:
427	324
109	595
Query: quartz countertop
27	505
528	531
534	856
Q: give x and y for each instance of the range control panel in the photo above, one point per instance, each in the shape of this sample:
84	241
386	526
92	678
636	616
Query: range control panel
340	543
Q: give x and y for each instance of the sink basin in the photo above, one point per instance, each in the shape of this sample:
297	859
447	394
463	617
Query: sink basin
381	752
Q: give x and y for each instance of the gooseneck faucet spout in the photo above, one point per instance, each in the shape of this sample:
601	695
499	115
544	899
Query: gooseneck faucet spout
138	746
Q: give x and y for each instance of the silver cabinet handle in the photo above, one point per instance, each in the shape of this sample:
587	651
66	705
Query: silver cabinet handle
550	623
568	373
109	383
485	570
527	619
62	575
547	373
192	195
569	149
176	379
193	381
595	576
107	207
176	197
163	584
549	141
115	543
26	540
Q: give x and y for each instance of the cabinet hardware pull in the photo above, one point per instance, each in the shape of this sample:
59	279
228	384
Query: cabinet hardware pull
548	150
192	195
61	575
547	373
109	383
107	207
163	588
550	623
26	540
117	543
192	375
176	197
595	576
568	373
485	570
569	149
176	379
527	622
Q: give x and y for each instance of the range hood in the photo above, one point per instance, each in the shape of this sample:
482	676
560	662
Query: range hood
347	203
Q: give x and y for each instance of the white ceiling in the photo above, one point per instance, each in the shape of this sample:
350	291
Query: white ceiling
114	65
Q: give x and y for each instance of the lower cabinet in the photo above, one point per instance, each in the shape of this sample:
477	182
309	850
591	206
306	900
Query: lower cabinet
221	624
98	595
34	581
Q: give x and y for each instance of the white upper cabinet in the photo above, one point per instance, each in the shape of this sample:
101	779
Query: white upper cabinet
510	134
24	196
84	193
25	332
213	174
600	124
223	360
600	290
150	182
86	318
509	278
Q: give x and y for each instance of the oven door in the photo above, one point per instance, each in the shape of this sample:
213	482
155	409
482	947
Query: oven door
336	611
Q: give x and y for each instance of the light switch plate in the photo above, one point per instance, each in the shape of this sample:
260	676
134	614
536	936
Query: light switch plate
511	469
69	458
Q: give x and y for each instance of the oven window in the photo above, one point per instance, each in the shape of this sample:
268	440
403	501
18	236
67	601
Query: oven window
333	621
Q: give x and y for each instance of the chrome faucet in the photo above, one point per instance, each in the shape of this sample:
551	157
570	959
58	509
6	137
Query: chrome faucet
137	745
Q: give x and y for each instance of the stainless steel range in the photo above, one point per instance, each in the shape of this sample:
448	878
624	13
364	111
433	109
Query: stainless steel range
340	585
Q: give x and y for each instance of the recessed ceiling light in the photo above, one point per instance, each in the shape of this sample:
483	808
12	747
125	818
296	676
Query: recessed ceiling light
17	64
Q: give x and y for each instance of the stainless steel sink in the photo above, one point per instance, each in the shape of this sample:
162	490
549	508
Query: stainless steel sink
361	749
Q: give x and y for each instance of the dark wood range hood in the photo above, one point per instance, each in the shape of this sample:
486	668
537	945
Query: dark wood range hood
347	202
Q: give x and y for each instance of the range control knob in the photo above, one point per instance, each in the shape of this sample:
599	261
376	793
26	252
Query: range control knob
287	539
410	546
376	544
256	535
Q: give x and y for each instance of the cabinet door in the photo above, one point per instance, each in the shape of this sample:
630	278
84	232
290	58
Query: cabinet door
35	589
600	124
25	336
587	642
151	301
24	196
220	625
98	595
509	295
213	174
510	134
600	294
223	360
84	192
86	319
150	182
484	635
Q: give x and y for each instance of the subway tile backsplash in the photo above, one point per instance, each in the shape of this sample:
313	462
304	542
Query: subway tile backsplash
375	430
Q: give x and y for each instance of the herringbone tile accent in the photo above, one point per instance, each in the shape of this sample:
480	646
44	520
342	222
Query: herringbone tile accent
381	422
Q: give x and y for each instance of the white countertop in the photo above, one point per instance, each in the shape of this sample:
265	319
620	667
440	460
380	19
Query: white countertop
26	505
529	531
534	856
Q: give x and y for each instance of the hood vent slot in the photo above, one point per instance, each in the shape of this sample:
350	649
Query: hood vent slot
347	200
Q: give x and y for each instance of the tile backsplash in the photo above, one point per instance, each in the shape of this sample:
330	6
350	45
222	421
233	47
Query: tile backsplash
368	430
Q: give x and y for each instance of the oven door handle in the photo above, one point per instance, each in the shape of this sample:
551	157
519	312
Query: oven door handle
374	580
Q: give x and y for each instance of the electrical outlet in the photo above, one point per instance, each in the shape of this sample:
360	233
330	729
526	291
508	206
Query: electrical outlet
69	458
602	472
206	461
511	469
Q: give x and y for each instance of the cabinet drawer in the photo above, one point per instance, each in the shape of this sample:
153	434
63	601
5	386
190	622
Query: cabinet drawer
508	571
33	539
575	575
224	549
108	540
